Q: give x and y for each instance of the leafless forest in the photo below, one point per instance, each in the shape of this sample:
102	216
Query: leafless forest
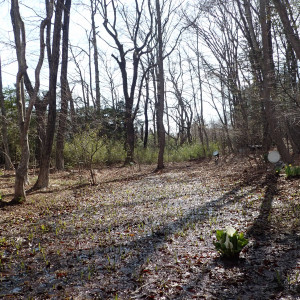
155	75
133	129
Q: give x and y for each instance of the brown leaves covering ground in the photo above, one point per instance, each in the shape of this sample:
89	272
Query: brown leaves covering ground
144	235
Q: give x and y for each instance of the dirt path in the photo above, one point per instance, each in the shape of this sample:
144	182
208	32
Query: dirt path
145	235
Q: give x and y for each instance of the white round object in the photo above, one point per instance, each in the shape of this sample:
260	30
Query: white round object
215	153
273	157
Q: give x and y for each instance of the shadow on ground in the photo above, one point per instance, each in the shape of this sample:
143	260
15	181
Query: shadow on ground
103	269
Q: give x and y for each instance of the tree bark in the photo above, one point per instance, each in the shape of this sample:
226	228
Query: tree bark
146	130
268	81
40	110
20	42
24	114
62	124
43	177
160	90
200	117
291	34
97	76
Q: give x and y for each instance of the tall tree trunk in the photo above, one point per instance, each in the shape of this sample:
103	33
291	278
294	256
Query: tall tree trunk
97	76
8	164
20	41
40	110
268	81
22	169
24	113
290	32
43	178
60	139
154	80
160	91
202	129
146	131
130	138
137	51
72	112
255	58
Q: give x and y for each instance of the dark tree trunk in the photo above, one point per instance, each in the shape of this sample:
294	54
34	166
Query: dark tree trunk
146	131
97	76
160	91
62	124
291	33
24	112
268	81
137	51
21	171
200	117
43	178
72	111
154	80
20	42
130	138
40	110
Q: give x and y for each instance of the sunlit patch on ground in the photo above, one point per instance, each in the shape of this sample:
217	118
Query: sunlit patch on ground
143	235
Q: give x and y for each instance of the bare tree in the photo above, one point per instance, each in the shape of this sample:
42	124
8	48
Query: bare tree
289	25
146	107
268	80
24	113
96	63
160	89
197	95
139	42
182	106
53	57
82	81
65	90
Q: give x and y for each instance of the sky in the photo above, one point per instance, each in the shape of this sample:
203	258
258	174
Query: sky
7	53
32	21
79	25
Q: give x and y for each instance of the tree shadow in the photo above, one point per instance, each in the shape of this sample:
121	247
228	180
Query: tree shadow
144	247
10	203
267	261
261	224
263	272
148	245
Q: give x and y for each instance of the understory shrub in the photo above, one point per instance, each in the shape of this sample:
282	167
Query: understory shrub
87	147
146	155
113	152
91	149
292	171
188	152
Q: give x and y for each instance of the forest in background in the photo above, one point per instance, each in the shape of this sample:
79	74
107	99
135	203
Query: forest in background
140	89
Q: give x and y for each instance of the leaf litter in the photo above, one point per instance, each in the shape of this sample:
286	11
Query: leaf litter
144	235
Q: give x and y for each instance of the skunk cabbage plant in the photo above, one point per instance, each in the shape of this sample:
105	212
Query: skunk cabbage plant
230	243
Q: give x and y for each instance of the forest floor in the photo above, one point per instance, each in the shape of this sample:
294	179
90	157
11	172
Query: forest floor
144	235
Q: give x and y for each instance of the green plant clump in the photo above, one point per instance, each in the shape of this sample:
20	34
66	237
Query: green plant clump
292	171
230	243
